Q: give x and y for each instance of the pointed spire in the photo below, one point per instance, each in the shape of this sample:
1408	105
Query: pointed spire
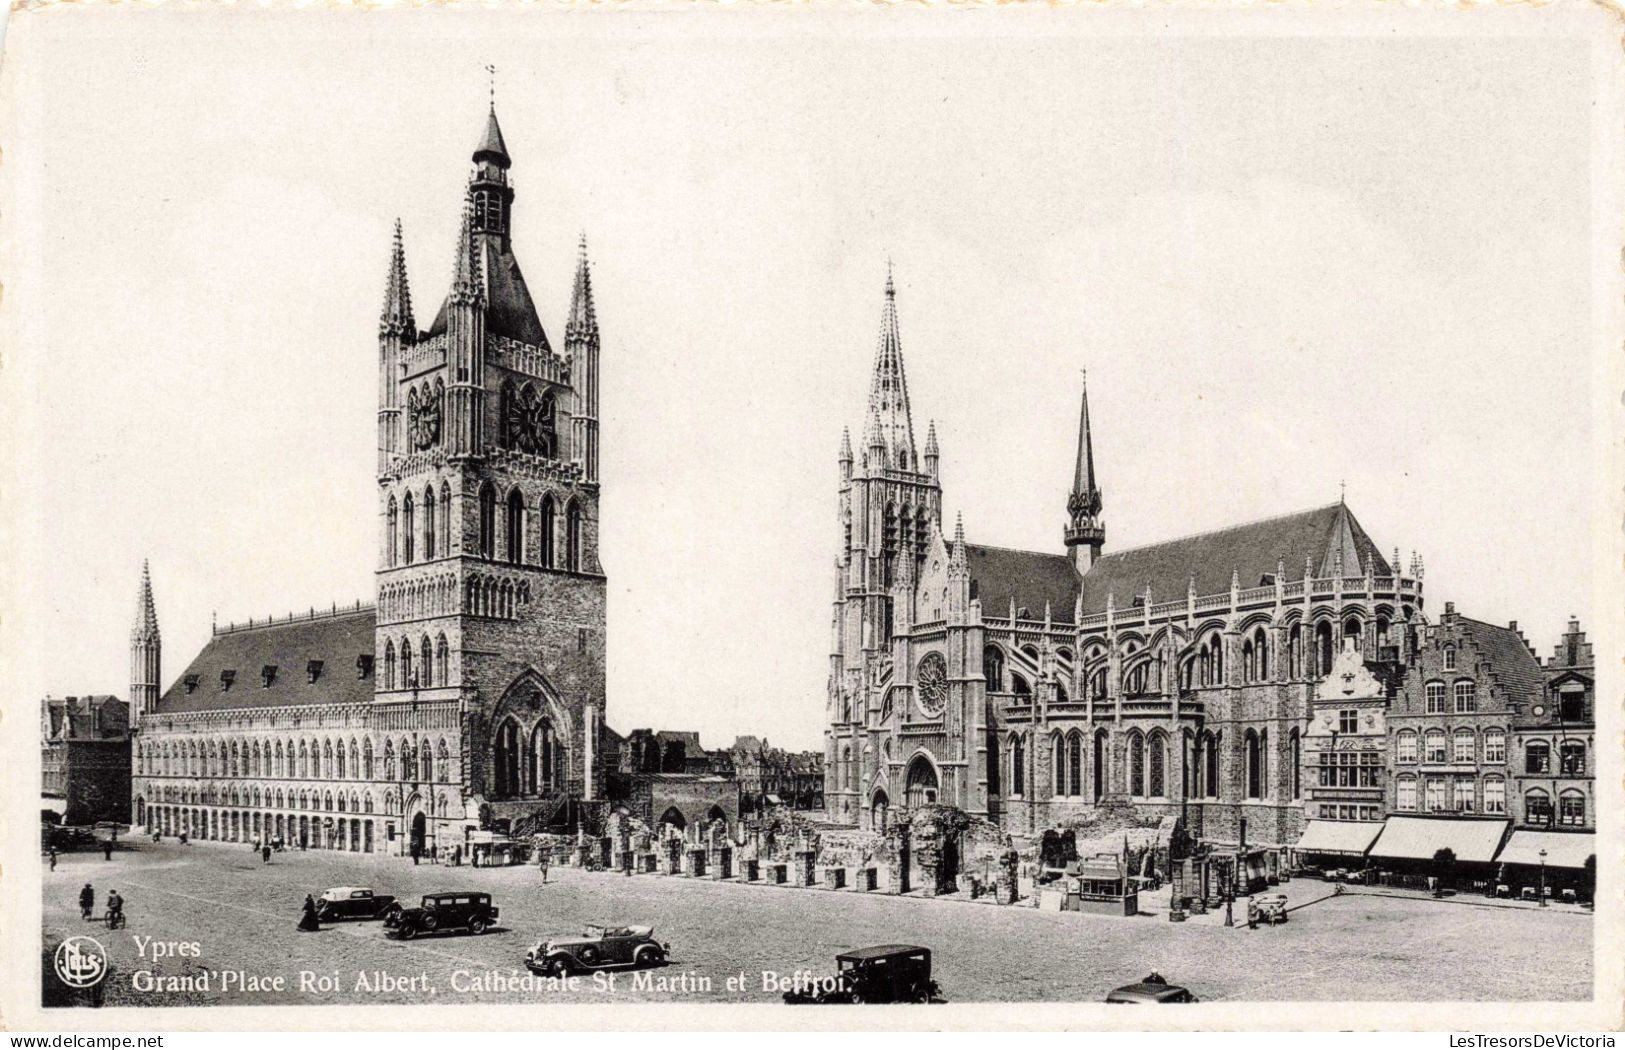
491	147
888	387
396	318
958	561
466	285
146	613
1086	500
583	322
846	446
931	439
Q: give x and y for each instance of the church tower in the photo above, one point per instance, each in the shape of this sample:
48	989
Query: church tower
491	598
1085	532
146	650
890	503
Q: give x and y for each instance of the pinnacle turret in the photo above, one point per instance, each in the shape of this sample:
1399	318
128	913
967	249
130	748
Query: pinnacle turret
466	286
396	318
846	445
492	149
958	561
146	613
146	651
583	320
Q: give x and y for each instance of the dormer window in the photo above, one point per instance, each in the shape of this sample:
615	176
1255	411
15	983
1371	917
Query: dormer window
363	666
1267	580
313	670
226	678
190	682
1449	658
267	676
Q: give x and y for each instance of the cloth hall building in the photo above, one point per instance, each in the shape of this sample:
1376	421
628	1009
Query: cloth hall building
1032	687
472	693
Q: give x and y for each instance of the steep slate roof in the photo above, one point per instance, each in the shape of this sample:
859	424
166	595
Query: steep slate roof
999	574
1510	659
509	309
334	640
1252	550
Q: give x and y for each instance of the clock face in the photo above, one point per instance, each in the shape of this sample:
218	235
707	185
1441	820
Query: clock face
1540	709
423	412
931	685
530	422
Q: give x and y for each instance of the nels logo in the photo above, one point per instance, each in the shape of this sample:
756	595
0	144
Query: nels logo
81	962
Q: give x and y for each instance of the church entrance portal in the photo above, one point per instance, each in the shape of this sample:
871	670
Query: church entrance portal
922	783
415	844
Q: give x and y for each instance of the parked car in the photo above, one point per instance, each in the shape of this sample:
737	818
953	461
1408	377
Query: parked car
885	973
1271	907
355	902
1154	989
596	947
444	912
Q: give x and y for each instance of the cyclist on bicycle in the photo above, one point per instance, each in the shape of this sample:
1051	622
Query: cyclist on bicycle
115	909
87	901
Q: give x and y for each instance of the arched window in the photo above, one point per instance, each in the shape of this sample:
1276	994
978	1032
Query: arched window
1495	745
1157	760
1136	765
1261	655
1323	648
1495	795
1210	765
1466	696
304	760
442	762
1537	757
389	760
993	668
1571	758
1464	747
1537	807
516	528
408	679
426	654
1294	651
1433	746
366	760
572	536
429	523
488	521
1255	765
408	528
1295	749
1058	762
1018	766
507	759
544	525
340	766
445	517
389	665
1571	808
426	763
1352	631
1019	686
442	659
393	517
1074	760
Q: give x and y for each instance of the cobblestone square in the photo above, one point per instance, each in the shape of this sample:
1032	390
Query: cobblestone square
242	915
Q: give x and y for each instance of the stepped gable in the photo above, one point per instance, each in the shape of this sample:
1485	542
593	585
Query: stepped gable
1510	660
289	646
1253	551
1030	578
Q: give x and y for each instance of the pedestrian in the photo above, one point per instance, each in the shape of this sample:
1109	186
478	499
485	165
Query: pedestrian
417	851
308	922
107	850
115	910
87	901
543	866
50	851
265	853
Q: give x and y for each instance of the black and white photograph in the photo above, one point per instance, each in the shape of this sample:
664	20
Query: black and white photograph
803	516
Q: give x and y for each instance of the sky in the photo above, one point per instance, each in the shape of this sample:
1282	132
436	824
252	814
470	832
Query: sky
1292	265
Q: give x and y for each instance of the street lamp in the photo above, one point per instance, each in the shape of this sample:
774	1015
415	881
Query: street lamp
1543	878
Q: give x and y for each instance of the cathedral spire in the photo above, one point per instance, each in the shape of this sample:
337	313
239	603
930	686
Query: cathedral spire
396	318
1085	534
465	271
146	651
888	388
581	343
958	562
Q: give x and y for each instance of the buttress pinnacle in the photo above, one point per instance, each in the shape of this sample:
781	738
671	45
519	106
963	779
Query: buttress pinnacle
396	318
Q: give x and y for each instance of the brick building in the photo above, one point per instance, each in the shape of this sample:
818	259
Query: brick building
471	694
1450	722
85	759
1553	753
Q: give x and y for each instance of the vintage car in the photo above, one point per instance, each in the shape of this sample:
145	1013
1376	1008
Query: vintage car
885	973
355	902
596	947
444	912
1269	907
1154	989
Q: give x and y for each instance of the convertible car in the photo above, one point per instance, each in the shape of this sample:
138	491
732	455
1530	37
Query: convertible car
596	947
355	902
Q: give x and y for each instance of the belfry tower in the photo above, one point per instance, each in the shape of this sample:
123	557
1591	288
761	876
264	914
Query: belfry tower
491	598
1085	532
146	651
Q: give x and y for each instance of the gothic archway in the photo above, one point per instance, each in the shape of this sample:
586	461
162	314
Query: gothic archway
878	805
922	782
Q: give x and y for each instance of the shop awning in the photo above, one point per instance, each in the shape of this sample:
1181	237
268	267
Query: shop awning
1419	838
1350	838
1563	849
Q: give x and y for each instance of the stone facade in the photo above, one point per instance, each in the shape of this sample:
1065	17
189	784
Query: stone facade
1553	748
472	694
85	758
1033	688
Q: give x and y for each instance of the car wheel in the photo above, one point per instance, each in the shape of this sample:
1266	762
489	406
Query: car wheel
650	955
588	955
476	926
408	931
554	967
392	913
429	922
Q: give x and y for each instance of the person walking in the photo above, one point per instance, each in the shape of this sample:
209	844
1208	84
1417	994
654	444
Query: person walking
265	853
107	850
50	851
87	901
543	865
308	922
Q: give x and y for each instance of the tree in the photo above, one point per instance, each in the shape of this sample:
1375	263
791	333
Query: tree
1444	868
